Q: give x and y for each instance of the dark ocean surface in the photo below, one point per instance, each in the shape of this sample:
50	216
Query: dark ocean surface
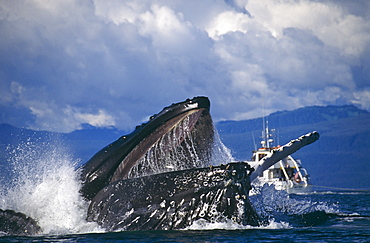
317	217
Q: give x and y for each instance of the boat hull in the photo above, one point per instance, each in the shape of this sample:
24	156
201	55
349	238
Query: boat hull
299	189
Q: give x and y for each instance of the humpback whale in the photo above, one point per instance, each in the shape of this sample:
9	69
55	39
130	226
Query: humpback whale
162	175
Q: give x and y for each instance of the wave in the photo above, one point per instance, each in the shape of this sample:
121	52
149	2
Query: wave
298	210
352	192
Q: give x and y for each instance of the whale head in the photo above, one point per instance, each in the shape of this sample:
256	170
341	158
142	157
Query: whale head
178	137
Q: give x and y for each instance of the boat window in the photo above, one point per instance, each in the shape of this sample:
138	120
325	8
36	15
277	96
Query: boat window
275	173
290	172
260	156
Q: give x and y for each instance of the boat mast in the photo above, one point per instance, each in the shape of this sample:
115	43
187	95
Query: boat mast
266	135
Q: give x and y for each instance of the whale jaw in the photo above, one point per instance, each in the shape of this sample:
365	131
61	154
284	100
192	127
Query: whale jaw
174	200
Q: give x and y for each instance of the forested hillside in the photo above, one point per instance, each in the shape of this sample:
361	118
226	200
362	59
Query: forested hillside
340	158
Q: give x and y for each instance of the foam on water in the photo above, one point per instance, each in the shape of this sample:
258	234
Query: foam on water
45	186
298	210
279	200
354	192
227	224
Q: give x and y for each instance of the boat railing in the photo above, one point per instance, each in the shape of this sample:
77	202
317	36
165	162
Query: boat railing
284	170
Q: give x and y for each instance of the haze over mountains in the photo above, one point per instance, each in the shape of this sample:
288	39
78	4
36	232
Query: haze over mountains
340	158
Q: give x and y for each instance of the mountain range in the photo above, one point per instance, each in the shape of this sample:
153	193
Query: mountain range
340	159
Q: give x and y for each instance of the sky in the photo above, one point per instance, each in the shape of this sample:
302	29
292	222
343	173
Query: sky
65	63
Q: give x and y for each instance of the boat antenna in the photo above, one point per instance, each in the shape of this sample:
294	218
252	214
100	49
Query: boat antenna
267	141
263	142
267	135
254	142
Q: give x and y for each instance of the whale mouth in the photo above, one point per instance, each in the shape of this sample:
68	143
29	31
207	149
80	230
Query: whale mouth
168	148
179	137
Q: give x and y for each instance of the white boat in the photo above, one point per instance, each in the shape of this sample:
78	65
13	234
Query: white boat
287	174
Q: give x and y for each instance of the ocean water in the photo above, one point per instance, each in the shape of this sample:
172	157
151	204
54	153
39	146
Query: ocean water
45	186
317	217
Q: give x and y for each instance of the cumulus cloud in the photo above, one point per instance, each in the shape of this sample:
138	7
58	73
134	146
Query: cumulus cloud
115	63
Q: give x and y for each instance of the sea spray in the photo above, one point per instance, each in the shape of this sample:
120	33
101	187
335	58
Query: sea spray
220	153
298	210
45	186
177	150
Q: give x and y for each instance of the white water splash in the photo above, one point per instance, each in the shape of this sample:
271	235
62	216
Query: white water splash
202	224
270	202
270	205
220	153
45	186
